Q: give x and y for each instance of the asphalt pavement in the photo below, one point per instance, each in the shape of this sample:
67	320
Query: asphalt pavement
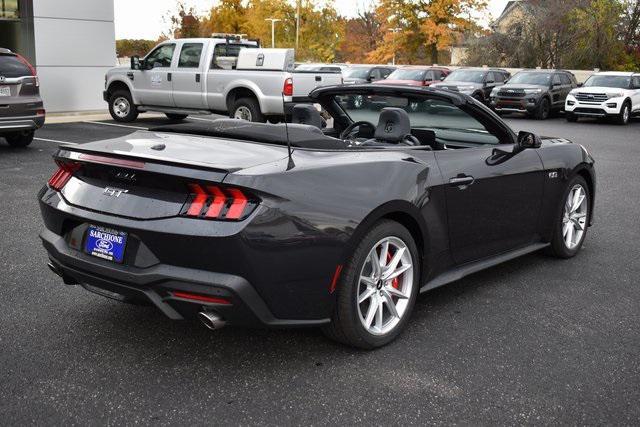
534	341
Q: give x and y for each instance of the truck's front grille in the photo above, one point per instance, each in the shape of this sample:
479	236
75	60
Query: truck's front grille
591	97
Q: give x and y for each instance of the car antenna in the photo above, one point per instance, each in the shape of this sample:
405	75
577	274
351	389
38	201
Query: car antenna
291	164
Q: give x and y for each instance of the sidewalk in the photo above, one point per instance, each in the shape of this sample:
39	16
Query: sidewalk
98	115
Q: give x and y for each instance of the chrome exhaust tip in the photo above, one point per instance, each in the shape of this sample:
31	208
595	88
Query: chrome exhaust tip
211	320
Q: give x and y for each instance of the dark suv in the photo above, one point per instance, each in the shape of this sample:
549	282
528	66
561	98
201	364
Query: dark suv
534	92
21	110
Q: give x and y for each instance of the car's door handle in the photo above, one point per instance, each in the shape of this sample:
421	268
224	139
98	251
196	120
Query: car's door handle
198	78
130	75
168	77
462	182
318	78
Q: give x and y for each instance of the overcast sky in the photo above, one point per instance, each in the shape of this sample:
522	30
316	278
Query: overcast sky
143	19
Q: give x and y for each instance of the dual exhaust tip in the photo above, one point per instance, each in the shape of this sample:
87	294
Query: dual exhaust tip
211	320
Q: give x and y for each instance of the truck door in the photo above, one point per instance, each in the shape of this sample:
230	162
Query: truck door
152	83
188	77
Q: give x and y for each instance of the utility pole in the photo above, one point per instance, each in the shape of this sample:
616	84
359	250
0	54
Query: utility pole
394	31
273	30
297	23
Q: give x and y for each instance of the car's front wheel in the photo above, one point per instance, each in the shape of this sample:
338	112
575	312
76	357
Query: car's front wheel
377	289
20	139
625	114
121	107
572	219
544	109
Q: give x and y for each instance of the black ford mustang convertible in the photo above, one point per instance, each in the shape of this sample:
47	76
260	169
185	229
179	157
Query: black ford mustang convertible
338	219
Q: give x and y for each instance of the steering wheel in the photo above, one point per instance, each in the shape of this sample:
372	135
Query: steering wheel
349	130
410	139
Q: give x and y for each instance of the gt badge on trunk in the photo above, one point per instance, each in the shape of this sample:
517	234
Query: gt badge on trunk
105	243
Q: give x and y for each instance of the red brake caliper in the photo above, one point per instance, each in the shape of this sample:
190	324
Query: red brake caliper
394	282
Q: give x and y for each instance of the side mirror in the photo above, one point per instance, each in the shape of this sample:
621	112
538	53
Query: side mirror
442	78
580	84
135	62
527	140
489	82
556	84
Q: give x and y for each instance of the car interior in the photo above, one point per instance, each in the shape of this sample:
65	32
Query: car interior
382	122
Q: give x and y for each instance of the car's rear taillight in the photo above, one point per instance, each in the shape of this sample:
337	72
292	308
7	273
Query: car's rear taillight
32	69
64	173
219	203
287	89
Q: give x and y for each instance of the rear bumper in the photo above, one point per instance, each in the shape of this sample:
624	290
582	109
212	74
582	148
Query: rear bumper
21	123
157	284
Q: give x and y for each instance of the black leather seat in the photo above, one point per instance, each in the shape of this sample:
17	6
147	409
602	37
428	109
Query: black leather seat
306	114
393	128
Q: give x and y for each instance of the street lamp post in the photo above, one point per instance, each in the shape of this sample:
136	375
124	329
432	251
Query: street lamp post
273	30
394	31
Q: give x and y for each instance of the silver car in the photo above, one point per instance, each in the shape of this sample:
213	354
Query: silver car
21	109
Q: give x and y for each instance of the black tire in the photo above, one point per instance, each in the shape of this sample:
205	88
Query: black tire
558	247
176	117
543	110
479	97
117	108
625	114
345	326
571	118
250	106
20	139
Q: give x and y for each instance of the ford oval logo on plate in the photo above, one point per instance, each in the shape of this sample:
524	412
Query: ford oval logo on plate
105	243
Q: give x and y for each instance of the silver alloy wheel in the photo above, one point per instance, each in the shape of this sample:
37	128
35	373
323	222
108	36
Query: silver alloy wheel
121	107
385	286
243	113
574	220
625	113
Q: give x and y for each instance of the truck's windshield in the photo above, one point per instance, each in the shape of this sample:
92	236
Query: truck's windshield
622	82
541	79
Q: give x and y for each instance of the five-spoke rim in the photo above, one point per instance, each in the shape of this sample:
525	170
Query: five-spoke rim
625	113
121	107
243	113
574	220
385	285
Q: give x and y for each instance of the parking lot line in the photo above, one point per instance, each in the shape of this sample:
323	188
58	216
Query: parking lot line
56	141
115	124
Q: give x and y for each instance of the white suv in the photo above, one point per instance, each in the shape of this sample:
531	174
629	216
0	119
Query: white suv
609	94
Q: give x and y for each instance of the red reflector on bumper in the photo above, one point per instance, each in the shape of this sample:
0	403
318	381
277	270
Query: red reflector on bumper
200	298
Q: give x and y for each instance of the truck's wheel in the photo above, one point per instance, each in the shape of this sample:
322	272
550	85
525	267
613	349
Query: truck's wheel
176	117
247	109
121	106
625	114
20	139
542	113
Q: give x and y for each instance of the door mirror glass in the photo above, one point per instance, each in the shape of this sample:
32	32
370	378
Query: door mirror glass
527	140
580	84
443	77
135	62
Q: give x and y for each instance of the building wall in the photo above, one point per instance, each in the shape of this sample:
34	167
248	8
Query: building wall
74	46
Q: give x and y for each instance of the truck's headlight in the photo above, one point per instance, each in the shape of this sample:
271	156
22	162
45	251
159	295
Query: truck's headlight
614	95
531	91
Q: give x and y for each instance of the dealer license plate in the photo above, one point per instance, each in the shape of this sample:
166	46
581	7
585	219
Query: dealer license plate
105	243
5	90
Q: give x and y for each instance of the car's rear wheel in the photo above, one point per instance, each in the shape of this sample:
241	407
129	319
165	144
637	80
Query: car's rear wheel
247	109
572	219
20	139
544	109
377	289
176	117
121	107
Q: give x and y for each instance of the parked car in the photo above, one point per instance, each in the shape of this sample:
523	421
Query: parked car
230	75
366	73
293	225
534	92
336	68
21	109
415	75
609	94
476	82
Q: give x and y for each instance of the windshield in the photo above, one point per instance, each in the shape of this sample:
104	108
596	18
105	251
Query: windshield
417	75
357	73
622	82
450	124
466	76
541	79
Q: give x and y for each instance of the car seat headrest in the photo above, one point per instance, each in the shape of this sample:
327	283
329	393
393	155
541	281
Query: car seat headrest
393	125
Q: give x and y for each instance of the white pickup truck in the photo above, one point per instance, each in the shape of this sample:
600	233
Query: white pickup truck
224	74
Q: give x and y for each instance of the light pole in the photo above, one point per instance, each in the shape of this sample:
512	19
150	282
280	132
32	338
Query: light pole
273	30
394	31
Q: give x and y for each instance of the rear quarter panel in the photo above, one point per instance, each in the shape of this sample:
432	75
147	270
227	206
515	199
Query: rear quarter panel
316	213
